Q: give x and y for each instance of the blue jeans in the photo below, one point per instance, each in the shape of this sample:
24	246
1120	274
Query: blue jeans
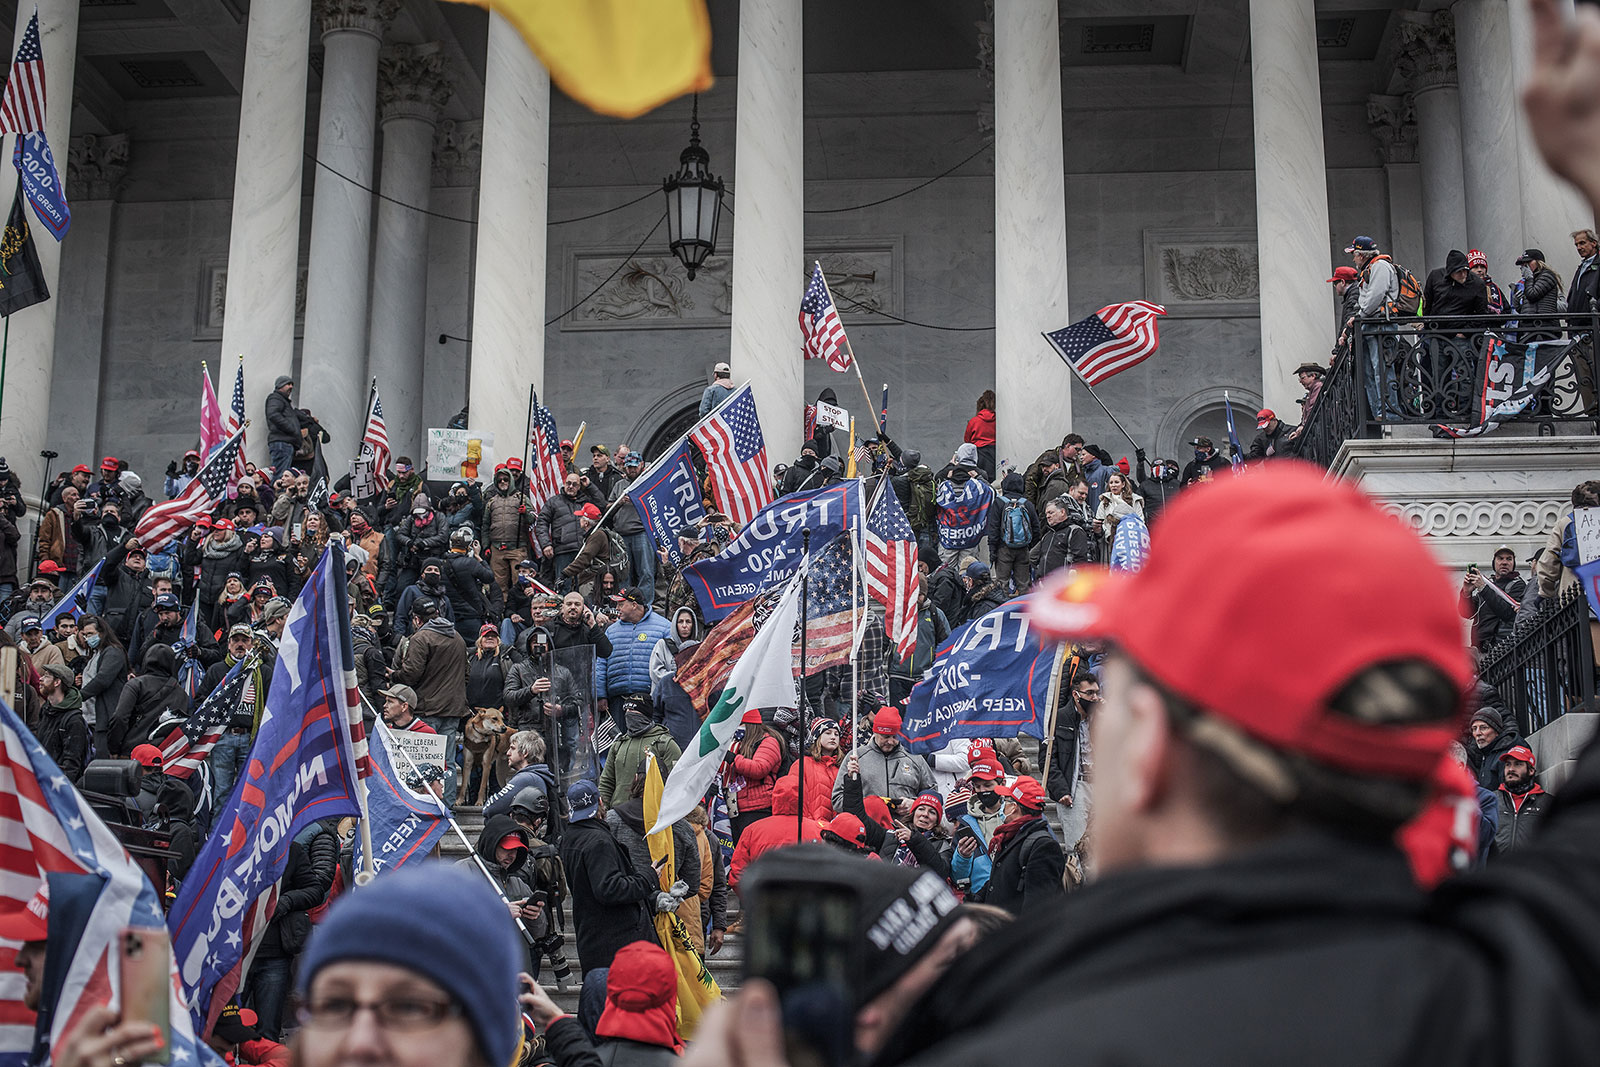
265	992
1372	339
559	564
227	761
450	730
642	557
282	455
6	589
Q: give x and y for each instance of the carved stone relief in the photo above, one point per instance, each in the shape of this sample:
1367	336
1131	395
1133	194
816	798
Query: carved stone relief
1203	273
213	299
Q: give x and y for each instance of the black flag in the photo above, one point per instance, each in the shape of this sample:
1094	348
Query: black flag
22	281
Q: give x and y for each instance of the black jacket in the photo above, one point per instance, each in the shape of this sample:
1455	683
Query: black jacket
64	736
464	578
1026	874
1485	762
610	900
1493	611
143	700
1309	949
1442	296
1517	824
283	420
1585	282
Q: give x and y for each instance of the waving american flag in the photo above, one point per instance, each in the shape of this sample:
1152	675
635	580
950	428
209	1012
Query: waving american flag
206	490
233	420
549	469
375	440
820	325
892	568
1116	337
22	105
736	454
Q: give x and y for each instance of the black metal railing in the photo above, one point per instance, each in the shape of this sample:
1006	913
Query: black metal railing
1546	667
1430	372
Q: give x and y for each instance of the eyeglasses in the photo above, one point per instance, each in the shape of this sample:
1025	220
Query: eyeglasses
398	1013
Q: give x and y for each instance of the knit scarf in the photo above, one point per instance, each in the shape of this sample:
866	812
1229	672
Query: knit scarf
1007	830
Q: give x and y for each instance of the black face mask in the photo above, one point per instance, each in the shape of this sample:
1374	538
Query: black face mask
987	801
636	723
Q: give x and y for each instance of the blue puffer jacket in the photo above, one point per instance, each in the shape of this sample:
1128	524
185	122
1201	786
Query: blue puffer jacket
627	669
974	869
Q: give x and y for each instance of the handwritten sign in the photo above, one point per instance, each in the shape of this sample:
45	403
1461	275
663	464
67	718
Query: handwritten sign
1586	527
424	749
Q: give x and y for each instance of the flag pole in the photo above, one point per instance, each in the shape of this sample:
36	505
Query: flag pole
527	436
805	726
849	351
1092	393
5	345
1055	707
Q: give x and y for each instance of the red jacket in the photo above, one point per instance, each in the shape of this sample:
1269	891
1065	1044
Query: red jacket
820	776
783	827
980	429
760	773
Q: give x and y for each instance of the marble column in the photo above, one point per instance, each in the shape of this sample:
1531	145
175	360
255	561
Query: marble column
30	355
1428	61
264	242
457	160
96	164
333	358
508	305
1489	133
769	268
413	85
1033	387
1392	121
1551	208
1292	231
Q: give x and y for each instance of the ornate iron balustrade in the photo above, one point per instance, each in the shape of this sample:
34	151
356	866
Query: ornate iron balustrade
1546	667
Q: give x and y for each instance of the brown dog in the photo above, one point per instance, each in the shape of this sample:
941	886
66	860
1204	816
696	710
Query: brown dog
484	741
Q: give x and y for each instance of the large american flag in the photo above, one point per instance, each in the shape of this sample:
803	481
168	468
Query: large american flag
233	420
1116	337
736	455
188	744
46	827
549	469
163	522
830	593
22	105
891	565
820	327
375	441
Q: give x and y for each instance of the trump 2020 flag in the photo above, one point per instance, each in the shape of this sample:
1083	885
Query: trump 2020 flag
95	892
963	512
303	766
41	183
75	601
667	497
763	678
991	679
405	823
1131	545
1510	377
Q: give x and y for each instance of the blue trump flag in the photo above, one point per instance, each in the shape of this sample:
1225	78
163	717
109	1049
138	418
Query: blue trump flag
767	551
76	600
302	767
667	497
990	679
41	183
963	512
406	823
1131	545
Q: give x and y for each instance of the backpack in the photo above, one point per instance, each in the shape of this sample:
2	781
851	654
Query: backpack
1016	529
920	514
1408	299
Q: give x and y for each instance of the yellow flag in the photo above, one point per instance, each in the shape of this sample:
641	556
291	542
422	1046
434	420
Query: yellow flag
617	57
850	469
696	988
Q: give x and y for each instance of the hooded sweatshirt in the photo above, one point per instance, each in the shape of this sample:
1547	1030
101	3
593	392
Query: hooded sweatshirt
783	827
663	658
143	700
641	1008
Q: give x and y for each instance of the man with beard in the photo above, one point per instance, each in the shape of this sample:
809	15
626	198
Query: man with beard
1523	802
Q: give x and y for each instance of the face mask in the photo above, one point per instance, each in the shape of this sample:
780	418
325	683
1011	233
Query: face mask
93	640
987	801
636	722
1198	454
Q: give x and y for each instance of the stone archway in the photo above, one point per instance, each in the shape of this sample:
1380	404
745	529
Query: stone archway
1202	413
668	419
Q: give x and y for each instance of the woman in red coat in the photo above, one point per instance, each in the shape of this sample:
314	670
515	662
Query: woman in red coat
822	769
980	432
752	770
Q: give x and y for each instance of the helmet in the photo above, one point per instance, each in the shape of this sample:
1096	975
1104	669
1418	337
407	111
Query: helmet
530	803
462	537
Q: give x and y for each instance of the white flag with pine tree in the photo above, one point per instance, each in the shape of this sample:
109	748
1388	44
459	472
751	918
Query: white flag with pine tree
763	678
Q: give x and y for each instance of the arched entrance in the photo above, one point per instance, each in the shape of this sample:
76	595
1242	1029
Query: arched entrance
666	420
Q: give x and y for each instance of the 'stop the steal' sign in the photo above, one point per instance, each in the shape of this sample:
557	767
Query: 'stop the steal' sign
991	679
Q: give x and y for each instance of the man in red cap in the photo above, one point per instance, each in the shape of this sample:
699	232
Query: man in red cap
887	770
1523	802
29	925
1346	287
1028	863
1272	436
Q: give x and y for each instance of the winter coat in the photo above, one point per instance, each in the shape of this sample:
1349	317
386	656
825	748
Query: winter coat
103	678
420	537
1493	611
625	520
558	523
897	775
283	420
419	591
610	899
1485	762
512	878
65	736
627	760
465	575
664	657
505	519
216	561
759	774
980	429
127	593
536	775
1026	876
984	599
1519	817
1539	294
144	700
783	827
820	776
626	821
711	398
271	564
627	668
486	680
1442	296
435	665
996	528
973	870
523	711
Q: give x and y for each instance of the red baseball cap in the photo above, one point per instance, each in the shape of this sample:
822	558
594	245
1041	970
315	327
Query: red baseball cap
147	755
986	769
49	566
488	628
204	522
511	841
848	827
877	810
110	463
31	921
225	525
1025	791
1282	527
588	511
514	463
82	468
1520	752
886	721
1263	417
1344	274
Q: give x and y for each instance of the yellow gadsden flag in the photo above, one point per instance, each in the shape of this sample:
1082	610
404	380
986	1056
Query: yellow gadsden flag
696	988
617	57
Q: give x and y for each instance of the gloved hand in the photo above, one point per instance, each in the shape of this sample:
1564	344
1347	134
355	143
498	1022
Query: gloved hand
1139	454
680	890
666	902
172	469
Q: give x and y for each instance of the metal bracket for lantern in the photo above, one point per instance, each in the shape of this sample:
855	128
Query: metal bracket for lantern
694	202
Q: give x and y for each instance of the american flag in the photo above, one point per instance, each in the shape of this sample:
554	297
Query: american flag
820	326
212	433
22	106
188	744
375	441
47	827
829	591
736	454
549	470
233	420
706	671
189	669
163	522
1110	341
891	565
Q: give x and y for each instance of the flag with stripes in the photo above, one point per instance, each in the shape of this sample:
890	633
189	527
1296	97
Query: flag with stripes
549	470
189	669
736	455
169	520
74	601
830	594
46	828
1110	341
891	564
375	441
233	421
820	328
186	746
708	666
22	105
212	431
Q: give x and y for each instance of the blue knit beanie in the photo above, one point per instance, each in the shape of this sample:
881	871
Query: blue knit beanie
446	925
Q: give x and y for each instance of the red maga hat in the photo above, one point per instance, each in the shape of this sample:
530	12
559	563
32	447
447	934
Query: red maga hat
1197	627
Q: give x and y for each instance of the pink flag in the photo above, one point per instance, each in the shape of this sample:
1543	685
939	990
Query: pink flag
212	433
